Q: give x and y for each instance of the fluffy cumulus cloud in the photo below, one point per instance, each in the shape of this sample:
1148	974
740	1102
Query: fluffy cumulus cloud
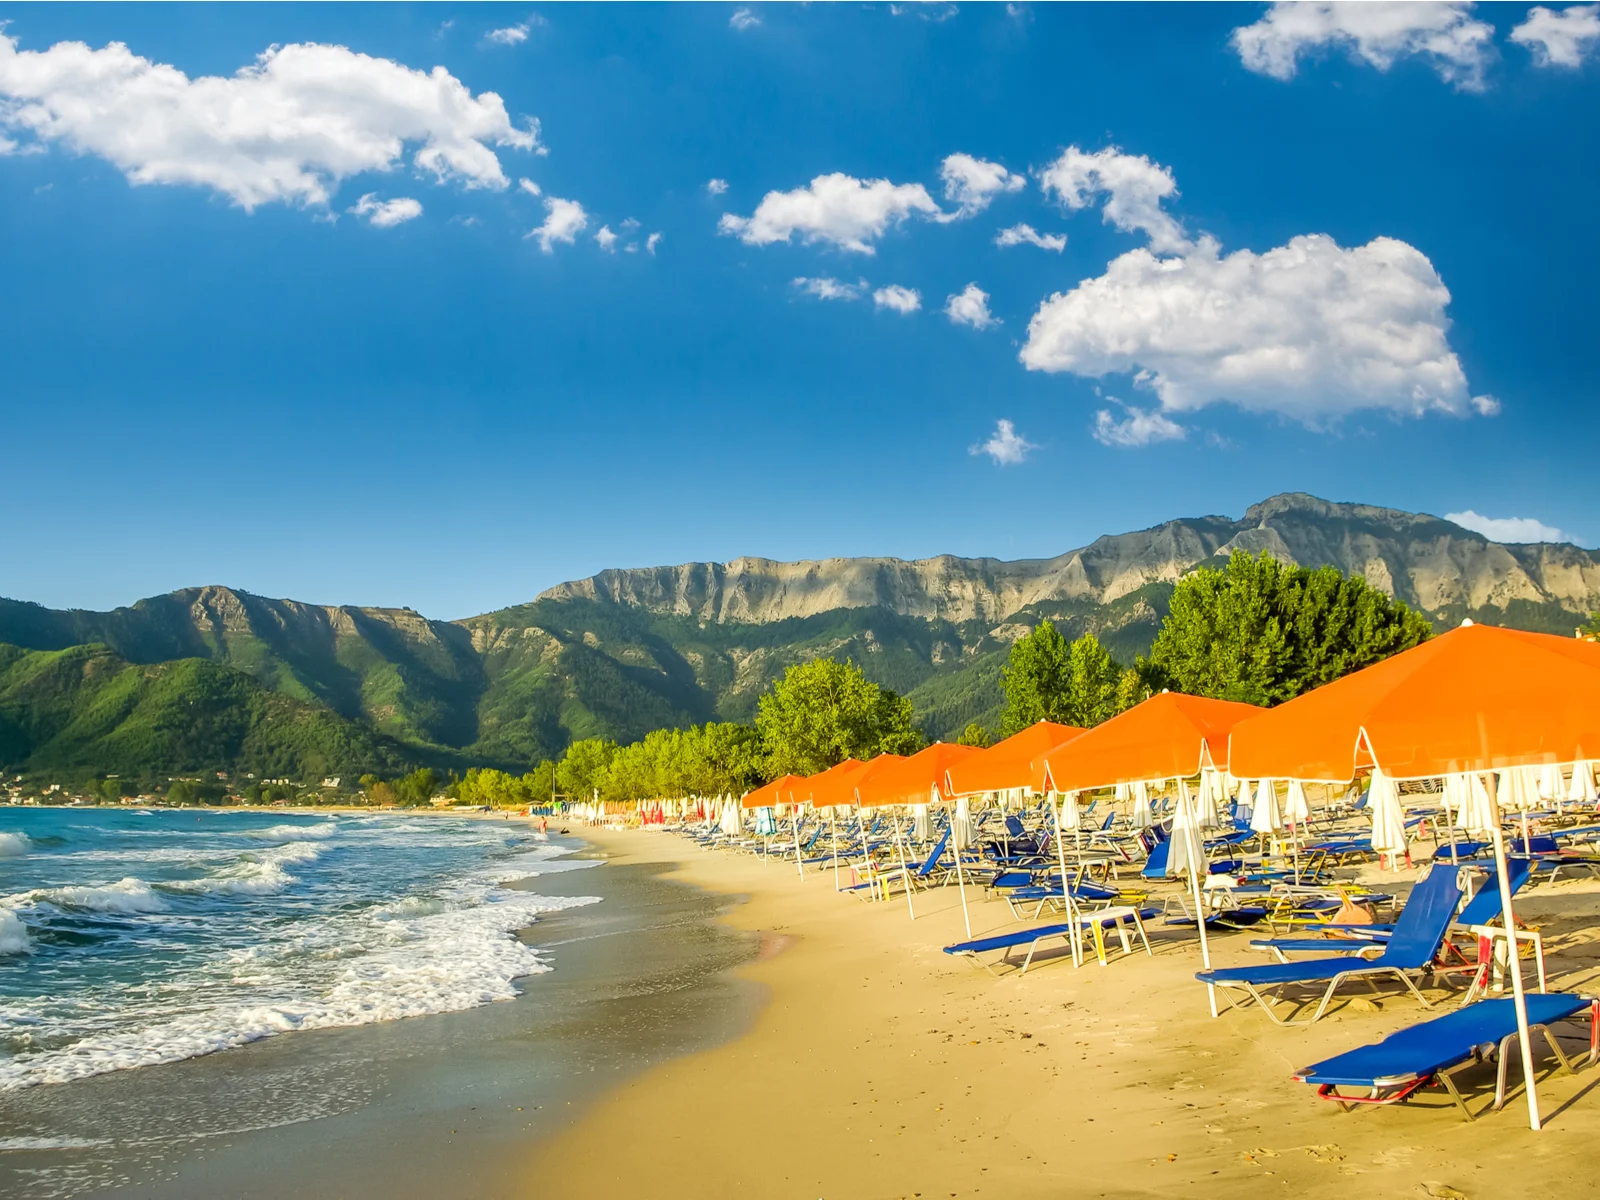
973	183
902	300
1138	427
1443	32
564	220
830	289
651	242
607	240
1129	188
1310	329
511	35
716	186
1005	446
743	19
839	209
970	306
289	127
1027	235
1508	529
1560	38
387	213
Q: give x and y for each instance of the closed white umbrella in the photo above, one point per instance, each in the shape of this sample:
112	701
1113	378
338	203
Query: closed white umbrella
1265	818
1581	788
921	823
1388	821
1188	849
1477	815
961	825
1295	809
1070	816
1551	785
1141	806
731	818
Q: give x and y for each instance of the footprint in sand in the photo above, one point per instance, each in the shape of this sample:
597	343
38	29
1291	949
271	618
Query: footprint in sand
1441	1191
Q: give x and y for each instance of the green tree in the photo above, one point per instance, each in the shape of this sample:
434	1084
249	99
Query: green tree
417	788
974	735
1093	679
1037	680
583	767
823	712
1590	629
1263	631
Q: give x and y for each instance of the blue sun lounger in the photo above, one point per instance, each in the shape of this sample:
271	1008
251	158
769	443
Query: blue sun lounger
1407	1061
1359	939
1094	923
1410	950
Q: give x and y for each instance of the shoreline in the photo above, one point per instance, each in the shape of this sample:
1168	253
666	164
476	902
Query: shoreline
880	1067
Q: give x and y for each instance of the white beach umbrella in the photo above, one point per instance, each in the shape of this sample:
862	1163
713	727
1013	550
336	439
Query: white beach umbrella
1295	809
1187	852
1213	798
1388	820
732	818
1140	793
921	823
1477	815
1265	818
1551	785
961	825
1581	788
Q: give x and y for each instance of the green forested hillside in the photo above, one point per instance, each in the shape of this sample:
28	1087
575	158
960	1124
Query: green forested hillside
87	709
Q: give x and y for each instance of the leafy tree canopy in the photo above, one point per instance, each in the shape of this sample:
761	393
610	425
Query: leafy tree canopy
1048	680
823	712
974	735
1262	631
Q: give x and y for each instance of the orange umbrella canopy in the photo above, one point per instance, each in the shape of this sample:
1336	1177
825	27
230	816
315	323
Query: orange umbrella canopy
911	780
1170	736
819	789
841	786
1475	699
768	794
1006	764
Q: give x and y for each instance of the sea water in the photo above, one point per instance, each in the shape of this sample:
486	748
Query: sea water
130	938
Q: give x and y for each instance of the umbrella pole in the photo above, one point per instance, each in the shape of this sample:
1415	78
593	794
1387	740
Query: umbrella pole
866	854
798	864
1450	820
1196	861
905	872
1066	892
961	885
1519	996
833	826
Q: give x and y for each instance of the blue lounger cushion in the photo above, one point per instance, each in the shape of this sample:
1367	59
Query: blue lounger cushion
1420	1051
1008	941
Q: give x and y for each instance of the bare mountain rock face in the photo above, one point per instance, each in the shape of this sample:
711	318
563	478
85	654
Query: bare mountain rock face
1428	562
627	651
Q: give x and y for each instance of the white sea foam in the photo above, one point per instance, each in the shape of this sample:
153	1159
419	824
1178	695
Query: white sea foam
252	877
400	964
50	1143
14	845
128	895
13	934
294	833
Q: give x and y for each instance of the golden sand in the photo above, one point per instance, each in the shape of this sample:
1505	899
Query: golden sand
881	1067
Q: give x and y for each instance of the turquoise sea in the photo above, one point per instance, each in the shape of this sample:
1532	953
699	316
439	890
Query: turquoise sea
132	937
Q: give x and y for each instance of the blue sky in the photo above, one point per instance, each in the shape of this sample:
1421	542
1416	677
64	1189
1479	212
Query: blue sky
222	365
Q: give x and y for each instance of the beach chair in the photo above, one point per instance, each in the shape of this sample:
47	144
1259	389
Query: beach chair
1430	1053
1121	921
1410	950
919	875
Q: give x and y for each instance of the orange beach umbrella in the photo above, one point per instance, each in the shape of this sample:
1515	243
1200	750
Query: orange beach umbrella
913	780
1475	699
1168	736
1006	764
830	787
769	794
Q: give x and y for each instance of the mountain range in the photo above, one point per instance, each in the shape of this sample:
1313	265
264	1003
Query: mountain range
212	676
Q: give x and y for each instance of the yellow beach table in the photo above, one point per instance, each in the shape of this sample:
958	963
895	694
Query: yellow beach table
1470	702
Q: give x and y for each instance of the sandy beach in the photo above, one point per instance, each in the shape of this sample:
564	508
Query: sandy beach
880	1067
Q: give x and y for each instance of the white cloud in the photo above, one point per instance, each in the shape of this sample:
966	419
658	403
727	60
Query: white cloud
651	242
606	239
937	11
902	300
289	127
564	221
743	19
1310	329
529	186
511	35
1560	39
386	213
716	186
831	289
1508	529
1458	47
848	212
1138	428
974	182
1027	235
970	306
1132	185
1005	445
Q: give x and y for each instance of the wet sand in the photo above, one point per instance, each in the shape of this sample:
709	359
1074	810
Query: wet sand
437	1106
883	1068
